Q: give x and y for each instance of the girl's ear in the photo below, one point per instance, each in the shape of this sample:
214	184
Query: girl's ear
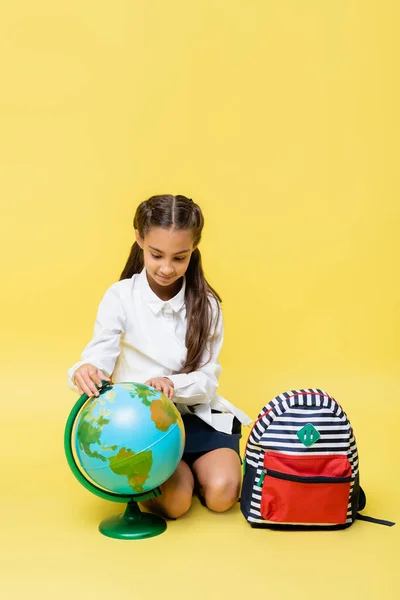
139	239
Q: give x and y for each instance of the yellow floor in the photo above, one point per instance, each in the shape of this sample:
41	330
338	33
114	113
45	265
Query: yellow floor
51	547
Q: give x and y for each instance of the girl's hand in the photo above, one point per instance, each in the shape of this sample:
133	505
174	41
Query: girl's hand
162	384
87	377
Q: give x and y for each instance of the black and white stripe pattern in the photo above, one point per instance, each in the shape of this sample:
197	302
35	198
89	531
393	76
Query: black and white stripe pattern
276	430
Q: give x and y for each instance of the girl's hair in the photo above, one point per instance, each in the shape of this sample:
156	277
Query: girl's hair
181	213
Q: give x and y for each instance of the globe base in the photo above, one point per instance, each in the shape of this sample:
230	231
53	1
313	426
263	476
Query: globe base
133	524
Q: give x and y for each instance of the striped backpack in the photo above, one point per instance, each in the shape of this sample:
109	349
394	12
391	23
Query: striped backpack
301	465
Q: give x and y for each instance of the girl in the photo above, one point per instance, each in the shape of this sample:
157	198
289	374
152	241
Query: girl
161	324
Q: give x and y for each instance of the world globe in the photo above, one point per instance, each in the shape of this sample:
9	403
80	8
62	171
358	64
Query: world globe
122	445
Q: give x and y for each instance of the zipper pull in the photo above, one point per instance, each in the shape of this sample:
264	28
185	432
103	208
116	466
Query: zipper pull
261	480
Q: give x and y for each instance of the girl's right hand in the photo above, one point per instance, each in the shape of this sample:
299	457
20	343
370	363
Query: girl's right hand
87	377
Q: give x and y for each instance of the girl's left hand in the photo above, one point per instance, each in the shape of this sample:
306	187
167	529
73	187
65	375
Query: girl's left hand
162	384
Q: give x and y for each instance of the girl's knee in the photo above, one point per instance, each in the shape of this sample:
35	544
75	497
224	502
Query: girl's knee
177	504
221	493
172	504
176	494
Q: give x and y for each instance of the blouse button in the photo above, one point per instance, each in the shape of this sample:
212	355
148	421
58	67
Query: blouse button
167	312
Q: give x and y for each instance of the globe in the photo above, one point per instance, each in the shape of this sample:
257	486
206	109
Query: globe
122	445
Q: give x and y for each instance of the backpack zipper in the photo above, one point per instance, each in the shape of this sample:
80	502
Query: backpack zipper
300	479
262	476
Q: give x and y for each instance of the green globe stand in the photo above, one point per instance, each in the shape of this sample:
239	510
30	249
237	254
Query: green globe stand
133	524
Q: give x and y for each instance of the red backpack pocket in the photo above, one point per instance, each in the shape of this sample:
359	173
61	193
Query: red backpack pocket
311	489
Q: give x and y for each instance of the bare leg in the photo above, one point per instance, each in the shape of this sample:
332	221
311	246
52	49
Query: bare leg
176	496
219	476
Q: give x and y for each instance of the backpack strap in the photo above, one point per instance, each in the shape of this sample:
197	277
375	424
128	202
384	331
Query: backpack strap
362	500
373	520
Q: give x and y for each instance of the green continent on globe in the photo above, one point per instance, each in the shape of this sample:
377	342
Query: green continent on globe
89	432
139	390
90	429
163	413
135	466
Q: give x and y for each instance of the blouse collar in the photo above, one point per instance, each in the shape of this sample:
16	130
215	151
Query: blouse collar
154	302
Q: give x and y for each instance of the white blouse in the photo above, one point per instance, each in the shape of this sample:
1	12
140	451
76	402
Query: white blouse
137	336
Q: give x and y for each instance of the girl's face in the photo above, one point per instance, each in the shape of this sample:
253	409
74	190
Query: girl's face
166	254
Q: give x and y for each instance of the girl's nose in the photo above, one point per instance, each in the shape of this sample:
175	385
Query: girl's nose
167	270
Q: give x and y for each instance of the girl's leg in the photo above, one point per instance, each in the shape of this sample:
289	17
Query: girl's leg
219	476
176	496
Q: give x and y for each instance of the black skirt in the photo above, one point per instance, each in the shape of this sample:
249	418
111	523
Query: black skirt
202	438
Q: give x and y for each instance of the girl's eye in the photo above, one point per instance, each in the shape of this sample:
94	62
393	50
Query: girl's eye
156	256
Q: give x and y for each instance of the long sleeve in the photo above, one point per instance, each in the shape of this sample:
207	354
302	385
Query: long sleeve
200	386
104	348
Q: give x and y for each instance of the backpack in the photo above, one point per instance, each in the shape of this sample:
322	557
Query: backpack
301	465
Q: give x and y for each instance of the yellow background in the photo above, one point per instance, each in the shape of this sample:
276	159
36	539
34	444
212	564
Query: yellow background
281	119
